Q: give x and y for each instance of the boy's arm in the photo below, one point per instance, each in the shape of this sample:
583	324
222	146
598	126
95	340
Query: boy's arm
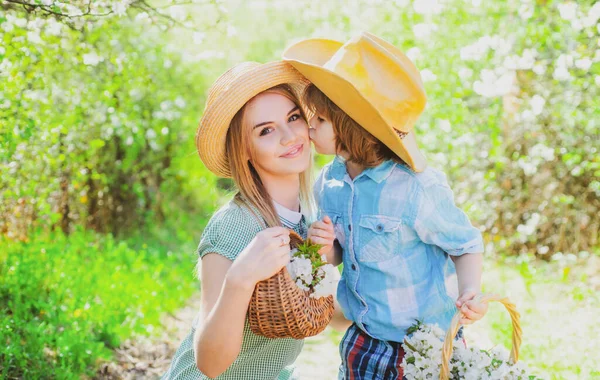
468	270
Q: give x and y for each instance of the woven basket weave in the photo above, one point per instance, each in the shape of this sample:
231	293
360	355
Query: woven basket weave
279	309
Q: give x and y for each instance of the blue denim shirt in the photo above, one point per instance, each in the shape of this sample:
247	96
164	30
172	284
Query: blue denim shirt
396	228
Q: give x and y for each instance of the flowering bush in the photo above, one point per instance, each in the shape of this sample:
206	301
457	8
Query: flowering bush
310	271
423	358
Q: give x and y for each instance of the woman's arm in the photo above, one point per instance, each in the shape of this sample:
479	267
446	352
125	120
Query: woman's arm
222	316
226	291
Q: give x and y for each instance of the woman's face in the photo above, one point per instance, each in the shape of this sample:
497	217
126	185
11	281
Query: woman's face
279	136
322	134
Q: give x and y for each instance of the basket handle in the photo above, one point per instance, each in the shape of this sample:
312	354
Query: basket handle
455	325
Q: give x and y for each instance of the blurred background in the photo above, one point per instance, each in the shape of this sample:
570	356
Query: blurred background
103	197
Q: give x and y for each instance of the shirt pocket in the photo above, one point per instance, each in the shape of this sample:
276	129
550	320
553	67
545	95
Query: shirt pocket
379	238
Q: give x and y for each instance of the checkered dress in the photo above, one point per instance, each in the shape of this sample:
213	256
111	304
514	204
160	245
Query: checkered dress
228	232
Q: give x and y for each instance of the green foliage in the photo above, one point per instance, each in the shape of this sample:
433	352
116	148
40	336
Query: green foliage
96	126
67	301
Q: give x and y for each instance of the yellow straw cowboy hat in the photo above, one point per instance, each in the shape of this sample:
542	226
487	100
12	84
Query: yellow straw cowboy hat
373	82
227	96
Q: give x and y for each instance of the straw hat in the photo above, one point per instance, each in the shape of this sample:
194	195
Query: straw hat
373	82
227	96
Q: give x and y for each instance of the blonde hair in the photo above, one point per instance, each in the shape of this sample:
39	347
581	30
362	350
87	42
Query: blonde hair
251	190
362	147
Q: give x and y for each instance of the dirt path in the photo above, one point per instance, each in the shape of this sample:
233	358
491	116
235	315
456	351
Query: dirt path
149	357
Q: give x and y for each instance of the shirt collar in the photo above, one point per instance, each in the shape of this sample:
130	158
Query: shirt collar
381	171
286	214
377	174
338	168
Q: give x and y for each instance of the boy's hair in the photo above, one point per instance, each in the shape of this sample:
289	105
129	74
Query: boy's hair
362	147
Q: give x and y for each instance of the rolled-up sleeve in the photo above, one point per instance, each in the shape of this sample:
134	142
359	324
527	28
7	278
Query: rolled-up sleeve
440	222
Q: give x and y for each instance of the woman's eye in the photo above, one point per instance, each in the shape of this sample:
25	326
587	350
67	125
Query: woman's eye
294	117
320	119
265	131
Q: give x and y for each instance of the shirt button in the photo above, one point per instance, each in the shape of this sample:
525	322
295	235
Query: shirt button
353	267
349	227
379	228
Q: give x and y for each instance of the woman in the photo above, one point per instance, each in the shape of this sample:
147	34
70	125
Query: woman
254	131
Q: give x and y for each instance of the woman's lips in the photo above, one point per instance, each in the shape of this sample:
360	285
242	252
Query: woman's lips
294	151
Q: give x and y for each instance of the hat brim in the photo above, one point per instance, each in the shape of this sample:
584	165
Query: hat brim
309	56
212	131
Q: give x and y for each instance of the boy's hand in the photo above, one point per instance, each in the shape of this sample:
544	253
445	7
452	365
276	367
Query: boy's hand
322	233
471	307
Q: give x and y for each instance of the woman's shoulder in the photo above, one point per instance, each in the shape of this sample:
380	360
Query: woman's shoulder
234	213
229	230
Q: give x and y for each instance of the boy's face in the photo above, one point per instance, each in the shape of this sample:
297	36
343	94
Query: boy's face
322	135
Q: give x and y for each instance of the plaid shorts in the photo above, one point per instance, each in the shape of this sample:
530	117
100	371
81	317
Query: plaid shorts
367	358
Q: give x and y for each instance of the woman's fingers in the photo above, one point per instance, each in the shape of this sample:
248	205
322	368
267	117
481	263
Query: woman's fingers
275	231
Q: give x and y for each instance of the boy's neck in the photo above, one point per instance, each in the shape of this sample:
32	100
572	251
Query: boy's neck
352	168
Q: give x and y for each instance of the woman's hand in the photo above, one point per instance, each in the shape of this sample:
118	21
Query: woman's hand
471	307
322	233
266	254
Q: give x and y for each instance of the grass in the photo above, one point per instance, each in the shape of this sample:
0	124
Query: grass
66	302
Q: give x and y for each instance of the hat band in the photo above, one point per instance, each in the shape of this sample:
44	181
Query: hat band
400	134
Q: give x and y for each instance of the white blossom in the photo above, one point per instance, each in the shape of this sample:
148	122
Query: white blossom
583	64
180	102
428	7
537	104
422	359
328	284
119	8
92	59
568	10
428	76
413	53
150	134
444	125
424	30
494	83
482	46
526	10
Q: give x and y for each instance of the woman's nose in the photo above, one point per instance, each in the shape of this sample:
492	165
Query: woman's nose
287	136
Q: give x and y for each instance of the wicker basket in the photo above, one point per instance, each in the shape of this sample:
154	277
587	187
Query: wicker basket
455	325
279	309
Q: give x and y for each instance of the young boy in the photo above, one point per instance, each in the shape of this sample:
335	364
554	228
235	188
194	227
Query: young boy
390	219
